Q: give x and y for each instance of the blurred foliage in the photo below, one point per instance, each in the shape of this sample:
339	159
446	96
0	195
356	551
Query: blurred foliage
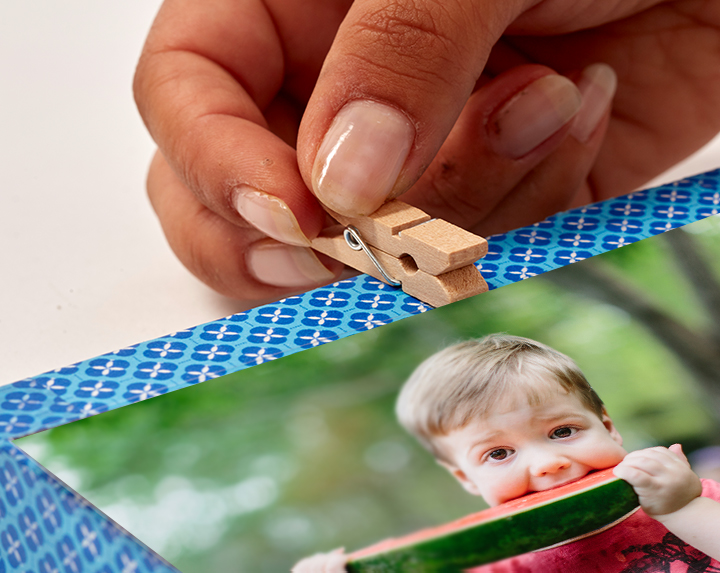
252	471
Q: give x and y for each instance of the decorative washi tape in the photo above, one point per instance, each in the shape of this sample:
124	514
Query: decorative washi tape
47	528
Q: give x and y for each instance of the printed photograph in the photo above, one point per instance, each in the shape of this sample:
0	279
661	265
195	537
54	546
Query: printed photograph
380	434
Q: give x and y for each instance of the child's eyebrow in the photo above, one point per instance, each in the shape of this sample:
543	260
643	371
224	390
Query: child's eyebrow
485	439
570	415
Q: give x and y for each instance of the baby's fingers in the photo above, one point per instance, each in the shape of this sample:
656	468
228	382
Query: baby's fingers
641	467
663	481
635	476
658	459
677	450
238	261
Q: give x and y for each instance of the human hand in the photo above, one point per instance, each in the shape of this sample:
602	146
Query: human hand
333	562
662	478
476	125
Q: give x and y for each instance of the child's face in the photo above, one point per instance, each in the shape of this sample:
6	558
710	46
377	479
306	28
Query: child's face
518	448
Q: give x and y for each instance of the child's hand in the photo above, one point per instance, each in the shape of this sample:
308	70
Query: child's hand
333	562
662	478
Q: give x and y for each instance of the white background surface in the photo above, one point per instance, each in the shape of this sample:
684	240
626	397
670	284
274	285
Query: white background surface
84	267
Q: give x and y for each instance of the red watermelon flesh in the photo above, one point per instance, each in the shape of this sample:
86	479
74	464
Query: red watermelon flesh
524	524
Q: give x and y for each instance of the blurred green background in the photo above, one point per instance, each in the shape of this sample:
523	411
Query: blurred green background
251	472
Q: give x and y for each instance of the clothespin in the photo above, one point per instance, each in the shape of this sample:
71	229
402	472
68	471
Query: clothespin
401	245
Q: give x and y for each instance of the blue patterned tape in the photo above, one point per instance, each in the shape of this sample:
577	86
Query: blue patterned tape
47	528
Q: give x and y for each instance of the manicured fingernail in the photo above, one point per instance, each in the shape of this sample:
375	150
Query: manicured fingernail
533	115
270	215
286	265
597	85
361	156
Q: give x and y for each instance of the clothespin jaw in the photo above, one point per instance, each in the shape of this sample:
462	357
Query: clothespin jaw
430	258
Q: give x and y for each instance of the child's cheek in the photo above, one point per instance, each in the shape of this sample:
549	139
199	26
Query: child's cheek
611	458
509	488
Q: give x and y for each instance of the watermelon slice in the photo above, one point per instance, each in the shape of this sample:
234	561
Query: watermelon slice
530	522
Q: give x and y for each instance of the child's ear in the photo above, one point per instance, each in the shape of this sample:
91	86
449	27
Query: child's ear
459	475
610	427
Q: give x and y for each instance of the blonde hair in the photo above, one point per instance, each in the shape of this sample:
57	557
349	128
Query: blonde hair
463	381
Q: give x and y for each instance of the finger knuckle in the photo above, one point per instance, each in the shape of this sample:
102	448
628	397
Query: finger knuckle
191	169
147	81
459	200
190	250
138	84
409	30
153	82
404	24
193	251
164	94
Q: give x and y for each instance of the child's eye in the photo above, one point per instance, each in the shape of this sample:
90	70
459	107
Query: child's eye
564	432
499	454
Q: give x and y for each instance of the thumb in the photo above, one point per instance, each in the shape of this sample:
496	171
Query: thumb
678	451
393	84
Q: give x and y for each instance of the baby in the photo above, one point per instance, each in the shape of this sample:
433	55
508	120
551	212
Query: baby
508	416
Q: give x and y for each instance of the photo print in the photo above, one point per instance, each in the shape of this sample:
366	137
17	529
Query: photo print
255	470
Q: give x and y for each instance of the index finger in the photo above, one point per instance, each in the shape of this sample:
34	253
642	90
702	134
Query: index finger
203	79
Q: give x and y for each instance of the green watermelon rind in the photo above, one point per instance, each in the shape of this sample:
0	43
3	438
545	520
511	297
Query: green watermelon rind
524	530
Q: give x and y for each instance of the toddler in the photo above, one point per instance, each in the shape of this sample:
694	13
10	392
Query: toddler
508	416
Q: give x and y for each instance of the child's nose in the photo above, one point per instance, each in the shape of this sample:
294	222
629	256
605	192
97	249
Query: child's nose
549	464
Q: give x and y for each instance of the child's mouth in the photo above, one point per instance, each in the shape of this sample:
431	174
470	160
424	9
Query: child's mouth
561	484
572	480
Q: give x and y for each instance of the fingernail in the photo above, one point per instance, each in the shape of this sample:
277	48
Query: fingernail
286	265
270	215
533	115
361	156
597	85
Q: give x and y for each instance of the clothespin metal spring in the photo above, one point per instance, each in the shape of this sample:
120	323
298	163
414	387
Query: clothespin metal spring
356	243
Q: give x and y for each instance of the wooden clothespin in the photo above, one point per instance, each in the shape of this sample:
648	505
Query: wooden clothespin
430	259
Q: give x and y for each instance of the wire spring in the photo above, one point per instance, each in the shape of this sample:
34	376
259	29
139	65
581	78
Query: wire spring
355	242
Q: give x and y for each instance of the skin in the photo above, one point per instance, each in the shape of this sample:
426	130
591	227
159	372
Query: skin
521	447
243	94
669	491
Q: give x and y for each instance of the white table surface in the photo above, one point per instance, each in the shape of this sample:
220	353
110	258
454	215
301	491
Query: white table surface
84	267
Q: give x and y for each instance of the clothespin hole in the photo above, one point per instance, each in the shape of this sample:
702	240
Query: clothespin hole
408	264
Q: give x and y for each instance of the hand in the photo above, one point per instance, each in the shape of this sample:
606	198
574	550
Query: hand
662	478
458	105
333	562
